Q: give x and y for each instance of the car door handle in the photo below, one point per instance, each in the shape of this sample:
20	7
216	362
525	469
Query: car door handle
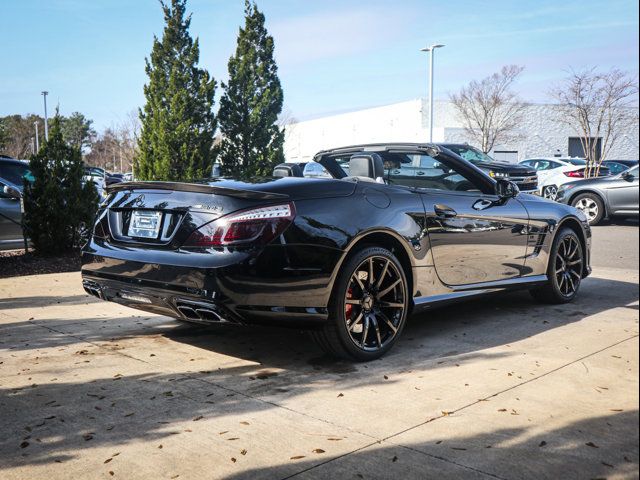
482	204
444	211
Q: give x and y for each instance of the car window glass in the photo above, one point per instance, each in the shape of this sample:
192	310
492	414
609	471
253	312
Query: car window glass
16	173
578	162
315	170
543	164
423	171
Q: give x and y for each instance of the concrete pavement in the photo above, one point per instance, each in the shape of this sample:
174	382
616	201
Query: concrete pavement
497	388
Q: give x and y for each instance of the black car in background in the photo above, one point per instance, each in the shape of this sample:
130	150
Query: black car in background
526	178
349	257
12	176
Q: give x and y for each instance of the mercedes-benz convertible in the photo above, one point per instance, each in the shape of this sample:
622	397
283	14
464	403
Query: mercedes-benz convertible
387	230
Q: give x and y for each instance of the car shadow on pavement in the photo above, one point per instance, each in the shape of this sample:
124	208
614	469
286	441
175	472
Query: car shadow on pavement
598	447
466	328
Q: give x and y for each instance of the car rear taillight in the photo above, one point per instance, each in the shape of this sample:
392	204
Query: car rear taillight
255	226
575	174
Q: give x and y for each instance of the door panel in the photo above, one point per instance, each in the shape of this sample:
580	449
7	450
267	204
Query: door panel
623	195
10	218
474	239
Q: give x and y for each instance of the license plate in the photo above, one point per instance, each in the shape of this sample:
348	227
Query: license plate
145	224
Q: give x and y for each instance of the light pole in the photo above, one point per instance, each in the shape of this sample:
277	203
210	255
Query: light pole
46	121
37	140
430	50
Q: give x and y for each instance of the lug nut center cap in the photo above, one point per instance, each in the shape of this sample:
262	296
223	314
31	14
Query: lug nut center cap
367	302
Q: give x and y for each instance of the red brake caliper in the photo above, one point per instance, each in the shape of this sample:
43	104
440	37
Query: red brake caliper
348	308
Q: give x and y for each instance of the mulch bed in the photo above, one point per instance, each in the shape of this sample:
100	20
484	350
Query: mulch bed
15	263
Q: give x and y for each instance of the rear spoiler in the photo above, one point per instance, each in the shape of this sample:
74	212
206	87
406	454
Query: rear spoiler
196	188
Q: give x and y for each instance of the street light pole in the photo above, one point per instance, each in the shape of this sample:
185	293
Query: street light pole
37	140
46	121
431	50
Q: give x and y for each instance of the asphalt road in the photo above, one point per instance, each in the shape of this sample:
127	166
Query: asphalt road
615	244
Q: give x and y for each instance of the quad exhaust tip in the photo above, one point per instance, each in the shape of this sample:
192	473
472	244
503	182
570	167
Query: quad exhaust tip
197	312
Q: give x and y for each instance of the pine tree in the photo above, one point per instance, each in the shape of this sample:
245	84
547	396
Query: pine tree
252	142
59	206
178	123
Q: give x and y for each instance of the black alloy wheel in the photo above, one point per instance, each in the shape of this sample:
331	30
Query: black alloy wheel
568	266
368	308
564	272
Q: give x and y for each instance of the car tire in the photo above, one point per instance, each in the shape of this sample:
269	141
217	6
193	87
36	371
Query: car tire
366	317
564	271
592	206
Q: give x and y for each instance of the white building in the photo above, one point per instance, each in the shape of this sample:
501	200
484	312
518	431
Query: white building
539	135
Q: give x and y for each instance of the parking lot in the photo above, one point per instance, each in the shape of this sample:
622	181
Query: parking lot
497	388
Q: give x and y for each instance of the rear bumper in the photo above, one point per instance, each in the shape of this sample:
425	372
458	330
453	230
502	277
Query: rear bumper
233	287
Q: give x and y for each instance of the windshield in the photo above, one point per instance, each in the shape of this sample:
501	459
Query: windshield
471	154
15	173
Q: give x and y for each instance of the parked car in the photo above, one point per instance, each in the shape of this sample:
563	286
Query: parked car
12	176
619	166
554	172
524	177
98	176
349	257
603	197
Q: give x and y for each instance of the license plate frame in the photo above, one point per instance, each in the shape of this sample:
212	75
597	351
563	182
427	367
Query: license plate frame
145	224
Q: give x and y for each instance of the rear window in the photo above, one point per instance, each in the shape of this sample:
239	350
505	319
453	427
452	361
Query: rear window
578	162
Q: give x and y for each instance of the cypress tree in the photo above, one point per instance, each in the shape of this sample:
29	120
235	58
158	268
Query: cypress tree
252	143
177	120
59	206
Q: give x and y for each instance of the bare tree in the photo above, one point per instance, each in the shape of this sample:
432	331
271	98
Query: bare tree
115	148
598	106
489	109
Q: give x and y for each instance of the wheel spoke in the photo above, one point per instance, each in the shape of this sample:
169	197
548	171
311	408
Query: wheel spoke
388	289
571	285
575	262
358	281
370	279
393	328
374	320
355	322
577	275
383	274
353	301
365	332
390	305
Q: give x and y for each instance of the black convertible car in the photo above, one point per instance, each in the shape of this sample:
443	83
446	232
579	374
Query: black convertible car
349	257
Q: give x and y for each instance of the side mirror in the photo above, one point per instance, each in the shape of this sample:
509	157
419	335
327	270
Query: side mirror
506	189
628	176
11	192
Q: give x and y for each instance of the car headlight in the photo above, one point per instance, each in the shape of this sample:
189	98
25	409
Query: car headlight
493	174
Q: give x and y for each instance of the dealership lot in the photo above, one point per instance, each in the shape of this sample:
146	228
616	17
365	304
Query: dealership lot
496	388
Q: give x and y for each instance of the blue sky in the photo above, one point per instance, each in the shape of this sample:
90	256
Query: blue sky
332	55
